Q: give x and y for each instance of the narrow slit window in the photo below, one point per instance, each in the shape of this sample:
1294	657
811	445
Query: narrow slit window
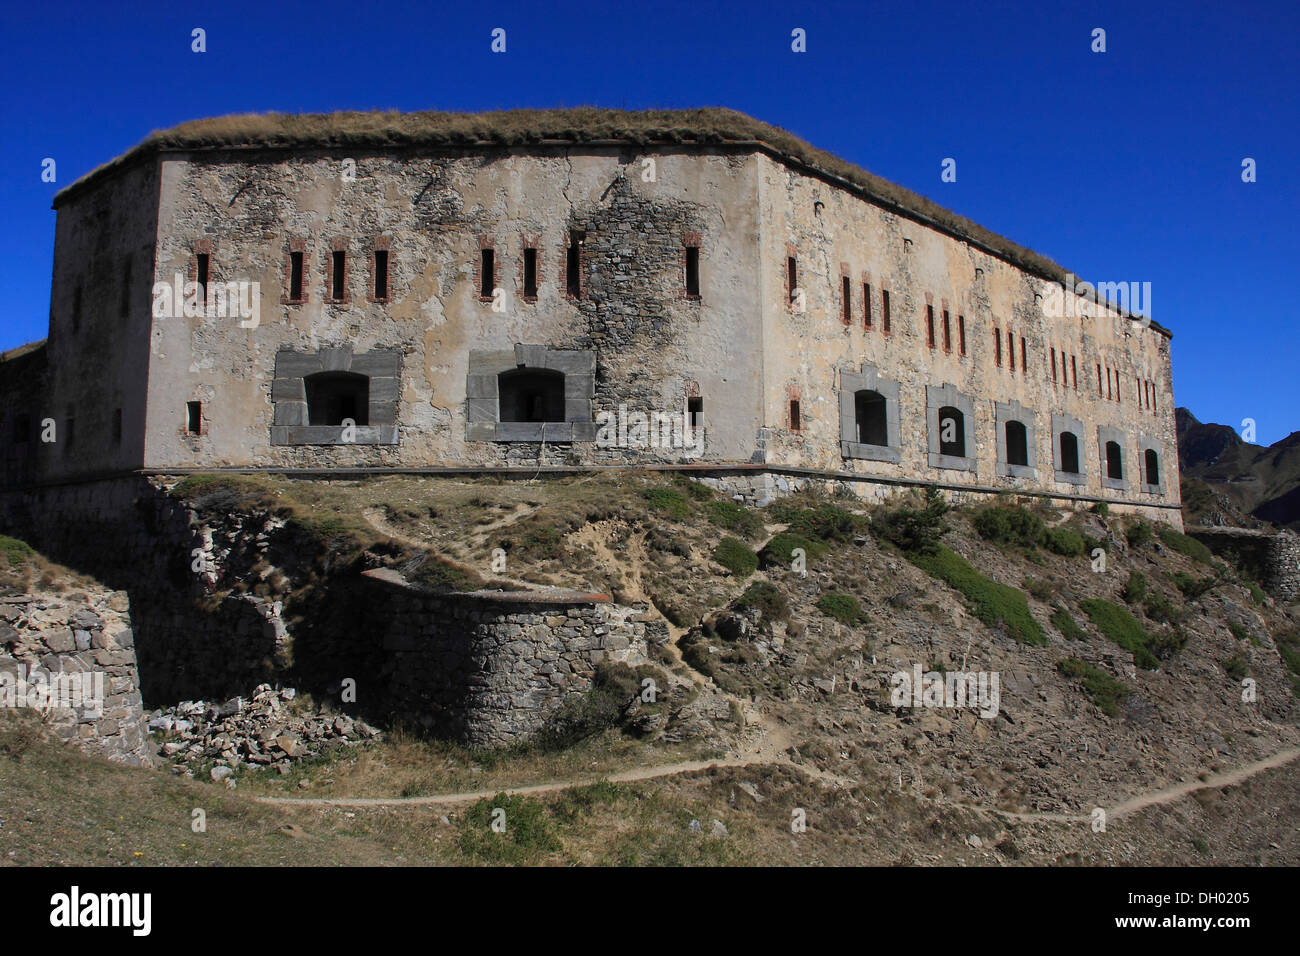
1074	372
947	332
997	346
295	276
201	267
338	261
381	273
487	273
884	311
193	418
573	264
961	334
1024	356
791	277
866	305
1011	350
695	412
795	422
1099	391
530	273
1053	365
846	296
693	271
929	326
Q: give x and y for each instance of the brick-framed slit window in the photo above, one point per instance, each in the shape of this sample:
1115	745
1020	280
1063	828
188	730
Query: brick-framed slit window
336	289
295	273
200	266
485	268
794	410
866	301
885	319
691	242
381	270
530	269
846	295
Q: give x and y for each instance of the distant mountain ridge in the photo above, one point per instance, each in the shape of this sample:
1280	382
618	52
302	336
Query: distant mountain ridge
1227	480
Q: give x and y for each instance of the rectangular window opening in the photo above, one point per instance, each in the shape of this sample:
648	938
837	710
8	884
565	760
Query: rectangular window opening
1011	350
947	333
929	326
795	422
846	303
201	275
338	262
573	264
791	277
961	334
1053	365
693	270
381	273
1074	372
695	412
193	418
997	346
295	276
866	305
1024	356
487	273
884	311
530	273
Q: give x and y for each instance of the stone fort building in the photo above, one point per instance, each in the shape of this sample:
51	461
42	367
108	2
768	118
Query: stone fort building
513	290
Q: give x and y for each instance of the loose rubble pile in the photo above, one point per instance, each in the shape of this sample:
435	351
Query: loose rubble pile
264	731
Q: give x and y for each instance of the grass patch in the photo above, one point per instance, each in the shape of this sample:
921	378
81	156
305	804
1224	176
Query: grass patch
1121	628
991	602
1257	596
779	552
16	552
1135	588
736	556
1043	590
1193	587
1063	541
766	599
1064	622
1103	689
843	607
668	500
1008	525
734	517
442	576
524	832
1186	544
1138	533
1235	667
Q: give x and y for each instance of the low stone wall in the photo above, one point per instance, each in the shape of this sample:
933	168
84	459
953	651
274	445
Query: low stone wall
1272	557
761	487
491	668
71	658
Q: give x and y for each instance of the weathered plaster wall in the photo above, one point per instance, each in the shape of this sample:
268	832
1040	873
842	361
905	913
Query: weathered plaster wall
652	343
832	232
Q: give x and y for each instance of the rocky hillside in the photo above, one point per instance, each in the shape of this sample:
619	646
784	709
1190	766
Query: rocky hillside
1227	480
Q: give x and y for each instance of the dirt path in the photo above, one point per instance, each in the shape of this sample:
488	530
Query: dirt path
375	518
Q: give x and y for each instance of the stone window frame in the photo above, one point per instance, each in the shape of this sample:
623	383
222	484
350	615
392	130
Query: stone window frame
1109	433
302	247
380	244
937	397
483	400
1147	443
289	422
1004	412
1068	423
868	378
337	245
183	429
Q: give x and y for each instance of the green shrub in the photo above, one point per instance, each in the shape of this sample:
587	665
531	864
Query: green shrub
1009	525
843	607
16	552
1256	595
698	490
1235	667
736	556
1139	533
733	517
668	500
1135	589
1064	622
1239	631
915	531
1121	628
826	522
1191	587
1185	544
1100	508
1103	689
1160	609
779	552
1043	590
767	599
992	602
1065	541
1288	646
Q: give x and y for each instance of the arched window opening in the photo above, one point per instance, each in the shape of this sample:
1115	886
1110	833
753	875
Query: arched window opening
1153	467
869	418
333	397
531	395
1017	444
1114	462
1070	453
952	432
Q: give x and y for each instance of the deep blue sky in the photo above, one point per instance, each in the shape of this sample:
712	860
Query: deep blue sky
1122	166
